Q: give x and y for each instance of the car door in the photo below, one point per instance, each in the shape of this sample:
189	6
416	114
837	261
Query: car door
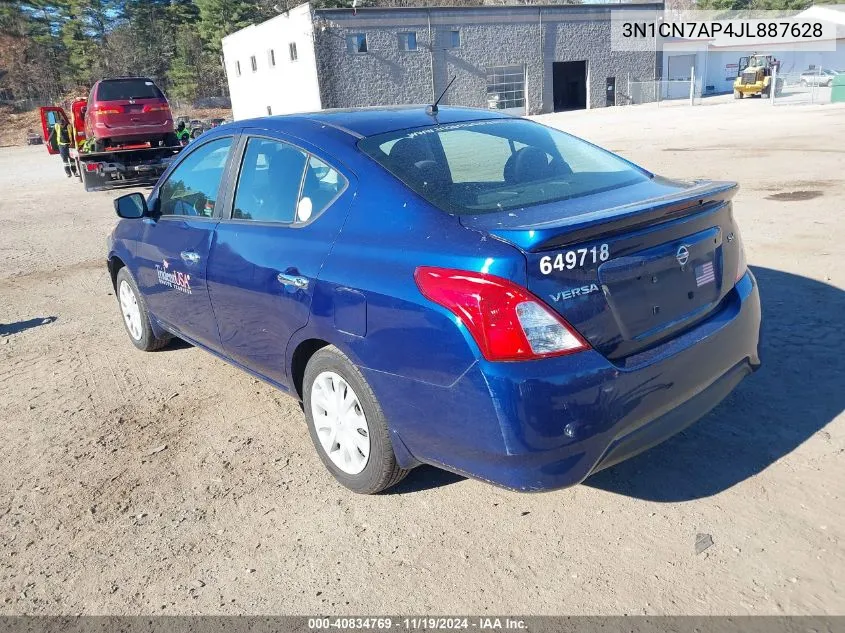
286	210
50	115
172	254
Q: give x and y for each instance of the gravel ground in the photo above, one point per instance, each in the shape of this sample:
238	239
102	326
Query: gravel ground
173	483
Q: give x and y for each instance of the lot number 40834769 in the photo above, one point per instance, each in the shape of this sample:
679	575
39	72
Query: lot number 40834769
574	259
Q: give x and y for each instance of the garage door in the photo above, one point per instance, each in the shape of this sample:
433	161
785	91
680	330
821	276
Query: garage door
679	76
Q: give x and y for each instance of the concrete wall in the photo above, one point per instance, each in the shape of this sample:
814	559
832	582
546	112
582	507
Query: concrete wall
490	36
382	75
289	86
581	33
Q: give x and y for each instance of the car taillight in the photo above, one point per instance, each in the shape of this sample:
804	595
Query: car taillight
112	109
92	166
156	108
506	321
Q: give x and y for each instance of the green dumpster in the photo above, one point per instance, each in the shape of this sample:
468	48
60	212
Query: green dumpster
837	91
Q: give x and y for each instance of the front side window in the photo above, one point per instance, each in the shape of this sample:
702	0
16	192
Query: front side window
408	41
356	43
498	164
282	183
191	189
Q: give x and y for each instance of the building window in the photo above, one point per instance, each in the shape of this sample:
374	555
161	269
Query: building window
505	87
253	63
292	49
238	69
269	111
356	43
454	39
408	41
272	57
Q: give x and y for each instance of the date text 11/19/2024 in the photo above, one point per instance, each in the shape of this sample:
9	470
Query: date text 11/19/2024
486	623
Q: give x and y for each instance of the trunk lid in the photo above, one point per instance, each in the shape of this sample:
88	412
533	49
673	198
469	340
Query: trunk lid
631	267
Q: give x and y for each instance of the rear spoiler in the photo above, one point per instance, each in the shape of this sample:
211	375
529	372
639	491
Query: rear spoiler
598	224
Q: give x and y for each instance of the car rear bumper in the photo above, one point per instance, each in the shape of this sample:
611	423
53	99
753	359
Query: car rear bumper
549	424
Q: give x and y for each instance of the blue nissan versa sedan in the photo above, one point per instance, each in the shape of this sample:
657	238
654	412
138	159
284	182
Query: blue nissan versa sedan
458	288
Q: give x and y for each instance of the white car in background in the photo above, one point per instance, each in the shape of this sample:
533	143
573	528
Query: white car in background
817	77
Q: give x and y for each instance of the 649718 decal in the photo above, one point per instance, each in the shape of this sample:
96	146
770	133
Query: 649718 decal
577	258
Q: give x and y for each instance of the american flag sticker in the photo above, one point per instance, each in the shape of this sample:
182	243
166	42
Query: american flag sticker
704	274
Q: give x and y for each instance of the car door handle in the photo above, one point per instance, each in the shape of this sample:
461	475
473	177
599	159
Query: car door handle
293	280
190	257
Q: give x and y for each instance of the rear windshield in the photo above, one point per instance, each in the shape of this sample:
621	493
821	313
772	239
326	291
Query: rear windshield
125	89
497	165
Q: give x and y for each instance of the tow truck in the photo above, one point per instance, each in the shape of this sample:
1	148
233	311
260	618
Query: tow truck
118	165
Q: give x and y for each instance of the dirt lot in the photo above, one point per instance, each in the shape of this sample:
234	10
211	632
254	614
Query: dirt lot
237	515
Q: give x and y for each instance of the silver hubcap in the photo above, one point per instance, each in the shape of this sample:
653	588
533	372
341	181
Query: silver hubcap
340	423
131	310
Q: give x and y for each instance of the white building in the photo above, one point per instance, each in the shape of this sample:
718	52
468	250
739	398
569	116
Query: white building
716	66
283	48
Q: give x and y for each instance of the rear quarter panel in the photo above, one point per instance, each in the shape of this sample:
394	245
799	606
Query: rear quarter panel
388	234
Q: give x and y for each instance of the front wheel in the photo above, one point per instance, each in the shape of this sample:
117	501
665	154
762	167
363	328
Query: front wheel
136	318
347	425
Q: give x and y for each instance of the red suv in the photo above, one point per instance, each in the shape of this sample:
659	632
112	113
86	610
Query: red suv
128	110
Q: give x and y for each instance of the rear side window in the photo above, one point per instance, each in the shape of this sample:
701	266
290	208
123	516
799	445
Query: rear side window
282	183
191	189
125	89
499	164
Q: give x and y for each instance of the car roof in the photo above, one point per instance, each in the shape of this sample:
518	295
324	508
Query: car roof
105	79
362	122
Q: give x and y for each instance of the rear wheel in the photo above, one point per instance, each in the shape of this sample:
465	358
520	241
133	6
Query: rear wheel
737	94
136	318
347	425
170	140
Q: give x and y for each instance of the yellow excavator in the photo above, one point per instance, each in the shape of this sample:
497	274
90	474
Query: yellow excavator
755	77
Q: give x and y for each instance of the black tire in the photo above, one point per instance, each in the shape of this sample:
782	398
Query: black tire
170	140
381	471
147	341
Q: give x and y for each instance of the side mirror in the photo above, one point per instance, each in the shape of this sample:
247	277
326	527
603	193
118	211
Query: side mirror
131	206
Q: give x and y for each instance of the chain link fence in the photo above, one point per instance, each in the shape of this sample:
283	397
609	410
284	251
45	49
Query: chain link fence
812	85
660	92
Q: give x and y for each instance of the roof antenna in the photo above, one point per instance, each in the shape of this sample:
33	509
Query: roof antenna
432	109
